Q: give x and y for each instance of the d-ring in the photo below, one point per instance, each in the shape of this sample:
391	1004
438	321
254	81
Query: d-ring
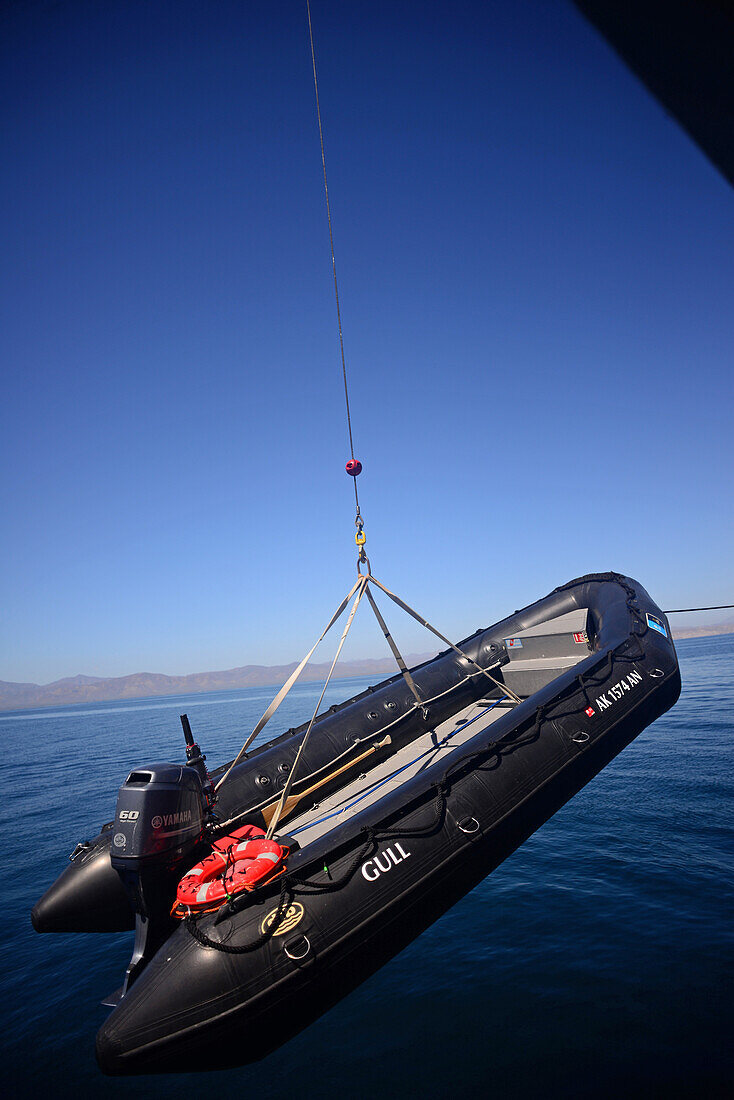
580	738
469	825
297	958
656	673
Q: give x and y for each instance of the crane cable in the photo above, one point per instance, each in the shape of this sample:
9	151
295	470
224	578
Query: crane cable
358	522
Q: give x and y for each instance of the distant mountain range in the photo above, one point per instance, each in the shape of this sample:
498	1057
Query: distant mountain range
701	631
142	685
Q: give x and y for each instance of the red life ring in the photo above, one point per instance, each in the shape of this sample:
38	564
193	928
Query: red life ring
240	861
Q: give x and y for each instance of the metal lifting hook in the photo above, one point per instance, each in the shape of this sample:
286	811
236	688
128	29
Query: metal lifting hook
360	539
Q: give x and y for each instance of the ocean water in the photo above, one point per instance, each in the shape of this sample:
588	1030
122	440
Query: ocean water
597	961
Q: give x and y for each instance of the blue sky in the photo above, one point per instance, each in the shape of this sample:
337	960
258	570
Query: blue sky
536	279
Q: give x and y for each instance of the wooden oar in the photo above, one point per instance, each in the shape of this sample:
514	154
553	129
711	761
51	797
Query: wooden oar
290	803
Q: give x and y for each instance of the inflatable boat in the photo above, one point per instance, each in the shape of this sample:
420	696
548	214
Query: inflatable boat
405	798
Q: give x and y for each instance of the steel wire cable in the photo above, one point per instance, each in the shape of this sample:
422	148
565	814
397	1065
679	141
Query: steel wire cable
331	243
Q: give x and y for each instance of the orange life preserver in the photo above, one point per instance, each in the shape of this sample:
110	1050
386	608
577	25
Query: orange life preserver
239	861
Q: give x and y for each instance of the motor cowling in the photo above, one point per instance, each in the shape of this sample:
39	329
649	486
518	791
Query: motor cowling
161	815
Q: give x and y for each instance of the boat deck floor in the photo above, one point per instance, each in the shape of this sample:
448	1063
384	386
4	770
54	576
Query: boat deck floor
369	787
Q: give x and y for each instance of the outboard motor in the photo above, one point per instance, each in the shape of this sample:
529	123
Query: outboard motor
162	815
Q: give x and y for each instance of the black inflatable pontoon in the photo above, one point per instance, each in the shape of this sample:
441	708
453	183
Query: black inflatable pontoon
416	804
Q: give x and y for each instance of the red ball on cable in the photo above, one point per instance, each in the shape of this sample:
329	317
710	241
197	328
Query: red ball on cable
353	467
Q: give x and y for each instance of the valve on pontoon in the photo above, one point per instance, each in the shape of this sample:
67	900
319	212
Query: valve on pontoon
162	817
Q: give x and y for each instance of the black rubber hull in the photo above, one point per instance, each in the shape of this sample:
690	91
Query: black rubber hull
88	895
424	849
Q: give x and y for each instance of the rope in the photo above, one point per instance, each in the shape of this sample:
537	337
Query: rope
336	884
331	243
243	949
288	882
308	887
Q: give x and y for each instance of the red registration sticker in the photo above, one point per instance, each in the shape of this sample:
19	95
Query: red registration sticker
590	711
579	638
